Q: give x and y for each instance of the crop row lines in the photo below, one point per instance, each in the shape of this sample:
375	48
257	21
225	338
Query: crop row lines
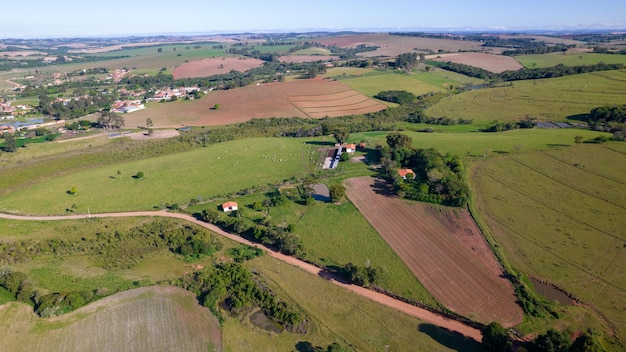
534	241
567	185
585	170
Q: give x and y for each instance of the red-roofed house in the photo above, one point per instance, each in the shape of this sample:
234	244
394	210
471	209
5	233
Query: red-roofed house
405	172
229	206
350	148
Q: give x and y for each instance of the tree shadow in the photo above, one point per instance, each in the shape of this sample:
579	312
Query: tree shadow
383	188
578	117
335	273
555	145
306	346
450	339
321	143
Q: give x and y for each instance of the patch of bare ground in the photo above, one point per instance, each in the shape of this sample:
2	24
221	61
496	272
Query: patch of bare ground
445	250
490	62
215	66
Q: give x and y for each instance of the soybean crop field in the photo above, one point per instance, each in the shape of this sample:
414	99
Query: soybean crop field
559	215
552	99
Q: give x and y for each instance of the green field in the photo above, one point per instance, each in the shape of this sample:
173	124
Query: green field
313	51
207	172
475	144
553	99
569	59
373	84
162	319
338	315
559	215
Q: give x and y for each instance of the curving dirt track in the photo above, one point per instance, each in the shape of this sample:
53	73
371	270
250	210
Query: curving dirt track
467	283
398	305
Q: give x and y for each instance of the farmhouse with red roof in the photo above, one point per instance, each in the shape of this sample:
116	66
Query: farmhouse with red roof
229	206
404	172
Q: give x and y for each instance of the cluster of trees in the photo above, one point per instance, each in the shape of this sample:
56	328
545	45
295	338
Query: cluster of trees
280	238
408	60
396	96
361	275
438	177
234	285
75	108
511	125
605	50
243	252
108	119
605	115
496	339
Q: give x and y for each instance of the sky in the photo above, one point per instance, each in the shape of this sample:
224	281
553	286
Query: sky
74	18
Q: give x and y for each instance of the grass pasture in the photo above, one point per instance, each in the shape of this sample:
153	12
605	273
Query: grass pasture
559	216
553	99
338	315
569	59
207	172
145	319
371	85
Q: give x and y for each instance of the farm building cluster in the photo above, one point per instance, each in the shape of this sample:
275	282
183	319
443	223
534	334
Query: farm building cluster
334	154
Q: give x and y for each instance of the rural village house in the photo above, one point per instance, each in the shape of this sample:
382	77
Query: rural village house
405	172
350	148
229	206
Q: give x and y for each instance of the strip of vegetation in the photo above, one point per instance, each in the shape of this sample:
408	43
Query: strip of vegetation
526	73
233	286
507	126
396	96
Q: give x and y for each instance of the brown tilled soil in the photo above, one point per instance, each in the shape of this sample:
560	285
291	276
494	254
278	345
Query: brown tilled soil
215	66
314	98
307	58
490	62
444	249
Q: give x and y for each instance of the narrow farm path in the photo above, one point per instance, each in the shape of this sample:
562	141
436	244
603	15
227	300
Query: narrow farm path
398	305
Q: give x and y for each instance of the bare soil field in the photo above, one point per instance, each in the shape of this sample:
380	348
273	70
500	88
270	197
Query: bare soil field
392	45
444	248
158	134
314	98
215	66
489	62
144	319
307	58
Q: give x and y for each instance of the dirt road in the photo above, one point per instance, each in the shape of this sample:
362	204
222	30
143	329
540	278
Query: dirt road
398	305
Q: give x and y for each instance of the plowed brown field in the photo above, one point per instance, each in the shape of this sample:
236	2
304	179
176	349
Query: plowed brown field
313	98
445	250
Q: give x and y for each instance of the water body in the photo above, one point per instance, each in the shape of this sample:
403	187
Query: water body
550	293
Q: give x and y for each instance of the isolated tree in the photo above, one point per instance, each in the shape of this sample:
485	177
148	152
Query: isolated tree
341	134
396	140
216	106
119	174
10	143
495	338
149	122
73	190
578	139
337	191
139	175
159	50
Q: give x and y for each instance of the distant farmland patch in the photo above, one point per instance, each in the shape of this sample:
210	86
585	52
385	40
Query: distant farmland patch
489	62
549	99
215	66
307	58
569	59
445	250
145	319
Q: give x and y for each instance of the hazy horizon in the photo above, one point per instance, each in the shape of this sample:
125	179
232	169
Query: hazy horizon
71	18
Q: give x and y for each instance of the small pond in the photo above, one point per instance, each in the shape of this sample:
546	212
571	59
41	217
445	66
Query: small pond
550	293
261	320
